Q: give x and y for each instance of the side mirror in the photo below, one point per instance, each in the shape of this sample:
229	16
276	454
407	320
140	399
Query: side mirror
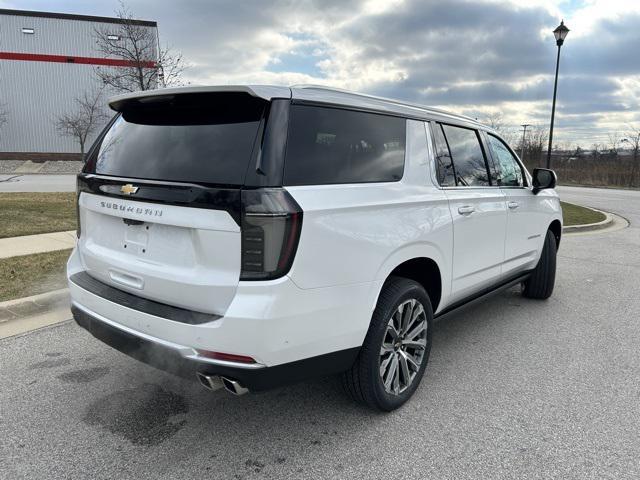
543	178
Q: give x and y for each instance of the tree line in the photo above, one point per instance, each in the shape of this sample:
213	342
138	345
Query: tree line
614	163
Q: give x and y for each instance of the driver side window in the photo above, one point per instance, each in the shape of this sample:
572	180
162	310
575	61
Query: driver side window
509	170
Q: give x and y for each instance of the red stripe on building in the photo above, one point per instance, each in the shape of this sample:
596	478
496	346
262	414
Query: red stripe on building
110	62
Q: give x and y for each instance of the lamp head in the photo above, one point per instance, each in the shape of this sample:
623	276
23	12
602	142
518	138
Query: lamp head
560	33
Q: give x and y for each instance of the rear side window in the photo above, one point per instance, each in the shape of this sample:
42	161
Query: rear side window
204	138
329	146
467	155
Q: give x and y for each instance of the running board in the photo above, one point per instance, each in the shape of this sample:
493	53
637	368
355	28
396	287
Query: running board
482	295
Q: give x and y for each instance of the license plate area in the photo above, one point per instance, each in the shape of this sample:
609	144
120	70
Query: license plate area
136	237
149	243
179	256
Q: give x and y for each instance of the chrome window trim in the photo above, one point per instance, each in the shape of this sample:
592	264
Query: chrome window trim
434	175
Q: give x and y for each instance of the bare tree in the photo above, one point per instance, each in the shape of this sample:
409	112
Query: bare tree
170	68
147	66
633	140
614	143
508	132
87	117
495	120
536	140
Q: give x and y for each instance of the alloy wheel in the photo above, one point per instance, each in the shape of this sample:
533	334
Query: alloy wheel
403	346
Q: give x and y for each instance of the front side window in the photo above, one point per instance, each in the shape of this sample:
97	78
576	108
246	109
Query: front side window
332	146
467	156
509	170
444	165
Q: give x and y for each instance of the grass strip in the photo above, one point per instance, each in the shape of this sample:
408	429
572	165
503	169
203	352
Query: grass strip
28	275
32	213
577	215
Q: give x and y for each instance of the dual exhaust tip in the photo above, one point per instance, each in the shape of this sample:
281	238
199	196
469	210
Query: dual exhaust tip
215	382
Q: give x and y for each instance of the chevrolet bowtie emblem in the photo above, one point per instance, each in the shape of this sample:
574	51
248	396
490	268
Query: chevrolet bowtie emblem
128	189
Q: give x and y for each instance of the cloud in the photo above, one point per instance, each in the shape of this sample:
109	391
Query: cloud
475	56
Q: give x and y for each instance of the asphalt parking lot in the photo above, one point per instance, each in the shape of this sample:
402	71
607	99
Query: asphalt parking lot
515	388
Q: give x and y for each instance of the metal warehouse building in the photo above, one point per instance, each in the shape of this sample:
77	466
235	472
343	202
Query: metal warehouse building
46	61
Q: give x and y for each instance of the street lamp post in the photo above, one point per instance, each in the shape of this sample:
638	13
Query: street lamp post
560	33
524	136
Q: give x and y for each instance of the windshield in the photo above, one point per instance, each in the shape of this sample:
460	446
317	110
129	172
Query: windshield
204	138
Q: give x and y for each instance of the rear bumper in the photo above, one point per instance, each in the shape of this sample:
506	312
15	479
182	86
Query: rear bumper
179	360
273	322
291	333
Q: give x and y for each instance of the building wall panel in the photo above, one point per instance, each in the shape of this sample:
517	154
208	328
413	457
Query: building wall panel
35	93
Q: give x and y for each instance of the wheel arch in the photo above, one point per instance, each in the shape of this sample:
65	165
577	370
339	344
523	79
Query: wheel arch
556	229
423	262
426	272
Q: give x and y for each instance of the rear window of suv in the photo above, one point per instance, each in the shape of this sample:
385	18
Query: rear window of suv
204	138
332	146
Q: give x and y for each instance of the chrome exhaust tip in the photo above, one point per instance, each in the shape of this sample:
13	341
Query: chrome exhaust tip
210	382
215	382
233	386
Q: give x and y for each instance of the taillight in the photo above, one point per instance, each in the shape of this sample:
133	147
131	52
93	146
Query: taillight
271	225
78	190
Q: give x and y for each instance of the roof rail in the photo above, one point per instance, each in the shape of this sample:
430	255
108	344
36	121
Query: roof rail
384	99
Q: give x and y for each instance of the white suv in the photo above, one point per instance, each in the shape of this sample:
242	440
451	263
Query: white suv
253	236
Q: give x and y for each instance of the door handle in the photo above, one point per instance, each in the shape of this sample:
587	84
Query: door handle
513	205
466	209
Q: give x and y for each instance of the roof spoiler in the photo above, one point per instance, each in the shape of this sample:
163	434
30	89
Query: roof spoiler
266	92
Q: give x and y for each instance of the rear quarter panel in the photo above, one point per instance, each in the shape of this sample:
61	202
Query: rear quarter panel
358	233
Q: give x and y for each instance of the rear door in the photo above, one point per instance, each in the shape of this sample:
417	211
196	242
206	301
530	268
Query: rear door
160	199
477	208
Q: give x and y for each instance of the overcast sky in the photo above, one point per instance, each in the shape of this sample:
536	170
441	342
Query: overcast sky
472	57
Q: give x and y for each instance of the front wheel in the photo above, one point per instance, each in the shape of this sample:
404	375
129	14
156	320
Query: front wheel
543	278
395	351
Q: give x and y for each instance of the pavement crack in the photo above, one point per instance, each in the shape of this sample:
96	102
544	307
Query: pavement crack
9	179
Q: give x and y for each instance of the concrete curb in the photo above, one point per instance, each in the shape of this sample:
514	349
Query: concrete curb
588	227
34	305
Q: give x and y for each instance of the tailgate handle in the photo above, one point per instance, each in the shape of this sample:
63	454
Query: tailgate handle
126	279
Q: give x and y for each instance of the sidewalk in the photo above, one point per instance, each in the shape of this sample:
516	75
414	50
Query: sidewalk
29	244
37	182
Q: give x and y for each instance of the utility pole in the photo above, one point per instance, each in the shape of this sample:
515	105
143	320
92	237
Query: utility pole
524	136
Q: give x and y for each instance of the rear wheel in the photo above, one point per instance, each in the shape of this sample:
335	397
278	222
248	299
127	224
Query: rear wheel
395	352
543	278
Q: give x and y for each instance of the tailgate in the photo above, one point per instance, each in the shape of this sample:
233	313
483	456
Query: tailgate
182	256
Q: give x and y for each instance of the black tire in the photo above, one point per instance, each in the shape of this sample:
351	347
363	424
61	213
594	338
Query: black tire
540	284
363	381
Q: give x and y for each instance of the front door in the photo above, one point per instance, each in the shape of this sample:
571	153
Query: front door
526	219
